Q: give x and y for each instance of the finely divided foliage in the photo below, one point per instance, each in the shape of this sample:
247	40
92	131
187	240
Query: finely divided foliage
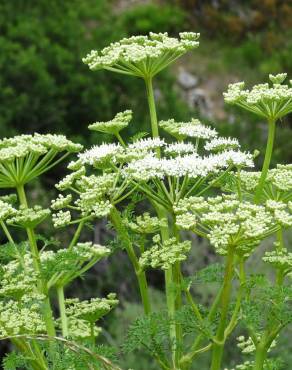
196	182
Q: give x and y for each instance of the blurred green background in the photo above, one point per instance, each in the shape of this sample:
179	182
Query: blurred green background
45	87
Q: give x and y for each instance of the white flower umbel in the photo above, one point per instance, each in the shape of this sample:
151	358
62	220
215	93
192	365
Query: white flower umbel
221	143
180	148
147	144
197	130
281	259
190	165
278	183
142	56
226	222
271	102
100	155
194	129
24	157
114	126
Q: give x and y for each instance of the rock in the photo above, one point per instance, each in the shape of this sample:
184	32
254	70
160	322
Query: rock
186	80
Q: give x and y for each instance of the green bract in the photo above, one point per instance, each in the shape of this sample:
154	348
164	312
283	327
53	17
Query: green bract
142	56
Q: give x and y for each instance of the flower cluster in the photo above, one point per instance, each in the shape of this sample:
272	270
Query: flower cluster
194	129
166	254
219	144
91	201
146	224
18	278
20	317
81	329
29	217
65	265
190	165
101	155
282	212
91	310
226	222
6	210
279	179
142	56
280	259
114	126
21	154
271	102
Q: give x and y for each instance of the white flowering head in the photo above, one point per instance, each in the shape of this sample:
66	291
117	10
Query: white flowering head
25	157
101	156
219	144
114	126
226	222
271	102
278	183
193	129
142	56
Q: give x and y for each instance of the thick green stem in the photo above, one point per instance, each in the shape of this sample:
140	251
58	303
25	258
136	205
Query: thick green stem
140	274
267	160
62	308
152	108
170	290
219	340
42	285
280	272
162	214
260	356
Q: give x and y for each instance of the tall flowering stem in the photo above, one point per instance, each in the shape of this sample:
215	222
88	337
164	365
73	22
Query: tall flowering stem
267	160
162	214
140	274
219	339
43	289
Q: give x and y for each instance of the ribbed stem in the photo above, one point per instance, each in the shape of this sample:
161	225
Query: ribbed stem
62	308
261	354
152	108
267	160
140	274
218	346
42	285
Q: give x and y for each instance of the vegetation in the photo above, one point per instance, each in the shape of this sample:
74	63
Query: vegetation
198	181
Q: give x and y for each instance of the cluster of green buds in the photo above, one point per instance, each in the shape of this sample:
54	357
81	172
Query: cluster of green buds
165	254
20	317
29	217
91	310
280	259
145	224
